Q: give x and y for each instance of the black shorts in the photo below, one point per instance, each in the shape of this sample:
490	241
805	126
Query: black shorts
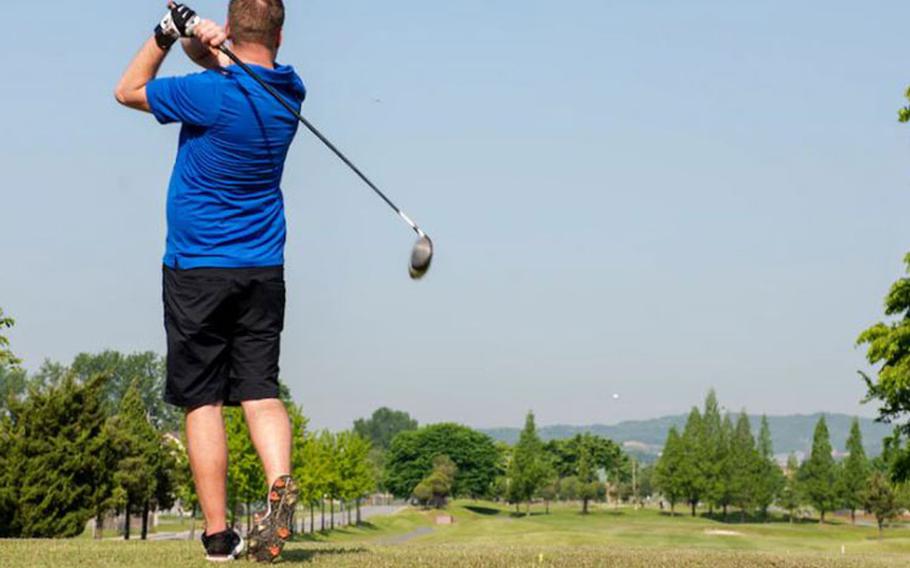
223	334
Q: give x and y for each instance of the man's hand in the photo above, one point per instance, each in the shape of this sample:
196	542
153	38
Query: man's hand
180	21
203	48
210	34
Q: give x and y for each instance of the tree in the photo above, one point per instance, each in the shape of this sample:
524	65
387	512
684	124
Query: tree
668	471
769	478
144	370
311	474
818	475
528	468
12	378
745	466
354	468
692	482
855	472
881	499
382	427
411	454
715	438
246	478
888	349
7	359
185	488
586	475
722	471
437	486
790	497
52	477
137	446
332	481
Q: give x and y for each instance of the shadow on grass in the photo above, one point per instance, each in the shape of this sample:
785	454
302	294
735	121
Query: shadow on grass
489	511
320	536
313	554
522	515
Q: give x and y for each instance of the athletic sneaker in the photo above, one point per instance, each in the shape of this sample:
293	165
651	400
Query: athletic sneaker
222	547
273	528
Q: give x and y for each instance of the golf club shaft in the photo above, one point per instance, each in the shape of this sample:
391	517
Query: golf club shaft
225	50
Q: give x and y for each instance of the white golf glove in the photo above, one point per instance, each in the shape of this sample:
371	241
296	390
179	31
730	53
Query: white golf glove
180	21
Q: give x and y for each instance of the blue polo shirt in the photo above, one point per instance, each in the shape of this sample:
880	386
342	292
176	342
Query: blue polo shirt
224	205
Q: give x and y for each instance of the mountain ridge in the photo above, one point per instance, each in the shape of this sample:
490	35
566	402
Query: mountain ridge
790	433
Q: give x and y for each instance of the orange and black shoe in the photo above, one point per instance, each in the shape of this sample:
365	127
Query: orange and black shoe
273	528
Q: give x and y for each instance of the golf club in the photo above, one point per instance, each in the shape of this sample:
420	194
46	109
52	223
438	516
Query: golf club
422	254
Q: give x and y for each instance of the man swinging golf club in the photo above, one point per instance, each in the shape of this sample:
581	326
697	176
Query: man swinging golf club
223	280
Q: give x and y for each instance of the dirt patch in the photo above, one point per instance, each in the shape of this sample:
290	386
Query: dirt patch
719	532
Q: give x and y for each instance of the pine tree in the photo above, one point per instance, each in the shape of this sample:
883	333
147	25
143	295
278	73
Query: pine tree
692	482
818	475
54	474
770	479
137	446
723	491
527	470
790	497
714	448
668	472
855	472
744	470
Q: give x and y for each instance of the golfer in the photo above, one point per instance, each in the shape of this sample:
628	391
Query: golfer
223	278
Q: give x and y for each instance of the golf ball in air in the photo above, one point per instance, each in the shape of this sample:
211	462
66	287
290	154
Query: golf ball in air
615	397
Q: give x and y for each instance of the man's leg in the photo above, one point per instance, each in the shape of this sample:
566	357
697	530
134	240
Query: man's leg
270	431
207	449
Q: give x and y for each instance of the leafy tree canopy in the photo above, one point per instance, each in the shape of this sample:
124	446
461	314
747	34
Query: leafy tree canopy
383	426
411	454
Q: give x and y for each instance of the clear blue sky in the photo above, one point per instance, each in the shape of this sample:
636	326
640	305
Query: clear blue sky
642	198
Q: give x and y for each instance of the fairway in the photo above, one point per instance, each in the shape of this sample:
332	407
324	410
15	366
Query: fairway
486	534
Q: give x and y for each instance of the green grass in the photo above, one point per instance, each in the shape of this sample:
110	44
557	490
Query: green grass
485	534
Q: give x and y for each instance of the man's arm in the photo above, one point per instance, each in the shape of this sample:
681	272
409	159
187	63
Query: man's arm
179	21
203	49
130	91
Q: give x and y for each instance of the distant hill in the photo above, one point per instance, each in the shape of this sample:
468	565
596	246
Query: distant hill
645	438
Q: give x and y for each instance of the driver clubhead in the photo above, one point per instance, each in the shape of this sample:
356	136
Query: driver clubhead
421	258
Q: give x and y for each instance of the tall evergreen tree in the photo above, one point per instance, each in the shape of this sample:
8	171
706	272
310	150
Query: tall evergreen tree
818	475
790	496
136	445
668	471
714	446
692	482
770	479
54	474
724	469
527	470
744	468
855	472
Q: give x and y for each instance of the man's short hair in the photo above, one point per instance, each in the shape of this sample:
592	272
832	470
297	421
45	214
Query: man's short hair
256	21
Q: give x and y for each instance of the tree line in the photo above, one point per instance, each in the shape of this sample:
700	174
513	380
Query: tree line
718	464
94	438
